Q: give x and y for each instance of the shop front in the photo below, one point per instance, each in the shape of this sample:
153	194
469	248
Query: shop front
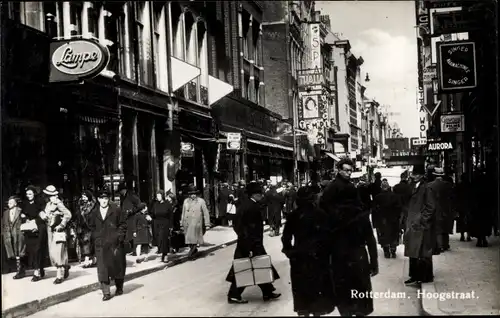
263	152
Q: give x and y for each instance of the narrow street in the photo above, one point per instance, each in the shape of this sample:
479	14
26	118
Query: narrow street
198	288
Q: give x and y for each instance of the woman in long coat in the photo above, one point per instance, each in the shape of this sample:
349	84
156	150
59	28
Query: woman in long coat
36	241
309	256
109	233
386	218
194	215
57	217
86	205
162	211
13	238
351	235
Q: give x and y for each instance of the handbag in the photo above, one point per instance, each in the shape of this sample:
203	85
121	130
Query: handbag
29	226
59	237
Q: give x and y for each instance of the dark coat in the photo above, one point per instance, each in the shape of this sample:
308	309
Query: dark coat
364	195
274	201
290	197
163	221
249	227
404	190
37	242
13	238
482	214
108	235
83	231
386	217
351	234
463	204
223	200
141	229
375	188
420	234
443	192
310	267
129	204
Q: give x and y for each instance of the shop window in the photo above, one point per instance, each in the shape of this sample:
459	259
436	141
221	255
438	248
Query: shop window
143	25
160	47
127	42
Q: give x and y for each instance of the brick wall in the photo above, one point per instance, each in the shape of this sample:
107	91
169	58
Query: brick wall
275	48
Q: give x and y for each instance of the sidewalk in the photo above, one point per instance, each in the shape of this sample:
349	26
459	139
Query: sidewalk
22	297
465	269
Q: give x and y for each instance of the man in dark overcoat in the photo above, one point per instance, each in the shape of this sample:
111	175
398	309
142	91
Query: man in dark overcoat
274	201
352	235
443	191
290	196
109	228
129	204
250	230
222	201
420	234
403	189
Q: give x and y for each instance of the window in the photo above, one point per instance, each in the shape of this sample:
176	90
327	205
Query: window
127	51
256	43
203	62
144	43
257	92
245	92
90	17
75	18
178	32
108	35
192	54
245	46
160	47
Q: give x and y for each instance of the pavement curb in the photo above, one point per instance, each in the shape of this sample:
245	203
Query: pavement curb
35	306
430	306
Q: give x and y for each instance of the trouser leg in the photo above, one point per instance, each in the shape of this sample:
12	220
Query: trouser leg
266	289
413	268
234	291
119	283
105	288
446	240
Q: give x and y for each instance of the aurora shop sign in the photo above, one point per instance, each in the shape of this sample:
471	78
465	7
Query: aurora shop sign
456	65
440	146
75	60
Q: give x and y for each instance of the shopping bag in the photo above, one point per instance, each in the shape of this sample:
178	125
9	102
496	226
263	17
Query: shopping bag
29	226
253	271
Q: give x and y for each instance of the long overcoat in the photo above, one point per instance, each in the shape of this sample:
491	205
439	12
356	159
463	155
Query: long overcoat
249	227
420	234
443	193
386	217
404	191
13	238
129	204
194	216
351	235
222	201
290	197
108	235
310	267
274	201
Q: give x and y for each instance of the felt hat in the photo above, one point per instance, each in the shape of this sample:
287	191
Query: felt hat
50	190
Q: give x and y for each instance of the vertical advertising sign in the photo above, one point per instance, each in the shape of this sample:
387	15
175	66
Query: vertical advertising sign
315	46
457	65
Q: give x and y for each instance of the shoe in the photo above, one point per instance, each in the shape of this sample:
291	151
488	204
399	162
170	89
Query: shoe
42	273
410	281
36	278
271	296
232	300
66	271
387	254
485	243
462	239
58	281
393	255
106	297
139	260
469	239
119	292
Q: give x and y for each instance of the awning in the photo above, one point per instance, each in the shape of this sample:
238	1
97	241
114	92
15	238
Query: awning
331	155
269	144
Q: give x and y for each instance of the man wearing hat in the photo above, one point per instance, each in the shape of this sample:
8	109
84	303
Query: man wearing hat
194	216
444	212
129	204
420	233
109	228
248	227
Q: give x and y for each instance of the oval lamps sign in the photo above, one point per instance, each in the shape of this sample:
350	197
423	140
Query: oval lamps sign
74	60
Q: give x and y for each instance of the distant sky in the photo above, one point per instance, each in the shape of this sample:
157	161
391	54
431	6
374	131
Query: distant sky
383	33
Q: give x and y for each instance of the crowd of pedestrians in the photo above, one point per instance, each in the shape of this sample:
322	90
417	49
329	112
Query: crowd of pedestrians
329	238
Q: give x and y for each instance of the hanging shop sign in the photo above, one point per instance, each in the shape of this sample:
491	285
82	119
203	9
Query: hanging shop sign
451	22
234	141
457	65
440	146
75	60
452	123
187	149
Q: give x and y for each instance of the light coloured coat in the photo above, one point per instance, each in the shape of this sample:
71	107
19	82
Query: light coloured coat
194	216
58	252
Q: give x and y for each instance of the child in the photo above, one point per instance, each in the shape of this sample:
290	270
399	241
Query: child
142	236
